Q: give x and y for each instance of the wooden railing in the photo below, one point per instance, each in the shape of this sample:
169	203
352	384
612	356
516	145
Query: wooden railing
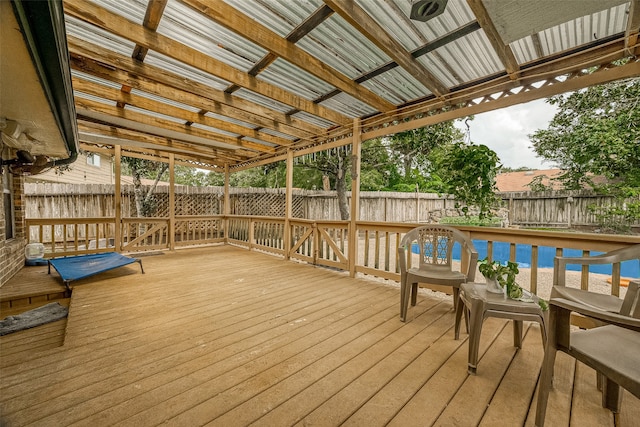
72	236
378	244
316	242
198	230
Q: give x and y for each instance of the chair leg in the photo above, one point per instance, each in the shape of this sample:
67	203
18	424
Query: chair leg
404	299
546	373
459	309
456	298
611	395
414	294
475	330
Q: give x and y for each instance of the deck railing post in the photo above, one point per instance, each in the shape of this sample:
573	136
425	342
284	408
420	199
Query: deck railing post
288	205
227	204
355	197
172	203
119	244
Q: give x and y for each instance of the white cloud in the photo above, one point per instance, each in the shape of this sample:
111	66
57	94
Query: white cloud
506	132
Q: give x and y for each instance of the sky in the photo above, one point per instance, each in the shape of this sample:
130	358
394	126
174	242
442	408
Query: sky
506	132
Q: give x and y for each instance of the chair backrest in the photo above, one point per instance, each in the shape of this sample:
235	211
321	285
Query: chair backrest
434	244
631	302
612	257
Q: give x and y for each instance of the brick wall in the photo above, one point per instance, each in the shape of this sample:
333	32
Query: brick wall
12	250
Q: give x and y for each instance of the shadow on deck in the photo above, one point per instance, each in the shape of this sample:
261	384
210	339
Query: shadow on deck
225	336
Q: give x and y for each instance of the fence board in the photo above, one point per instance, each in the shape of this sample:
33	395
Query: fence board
554	209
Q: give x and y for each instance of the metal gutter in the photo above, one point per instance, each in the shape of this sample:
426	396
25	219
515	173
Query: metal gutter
42	25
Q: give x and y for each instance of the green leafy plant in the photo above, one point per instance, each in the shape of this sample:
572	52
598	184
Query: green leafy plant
506	277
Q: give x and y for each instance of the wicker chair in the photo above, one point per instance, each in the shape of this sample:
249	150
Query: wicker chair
434	244
611	350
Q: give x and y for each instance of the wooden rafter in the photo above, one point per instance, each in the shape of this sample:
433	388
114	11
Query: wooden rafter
112	134
108	65
315	19
102	18
117	96
233	19
503	50
158	126
152	17
359	19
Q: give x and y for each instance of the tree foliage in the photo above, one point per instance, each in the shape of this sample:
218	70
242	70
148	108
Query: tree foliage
596	133
468	172
410	149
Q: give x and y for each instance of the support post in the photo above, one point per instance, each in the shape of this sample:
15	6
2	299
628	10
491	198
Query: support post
172	203
288	205
356	151
118	198
227	203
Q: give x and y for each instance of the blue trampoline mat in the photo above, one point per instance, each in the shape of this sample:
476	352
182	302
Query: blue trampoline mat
81	266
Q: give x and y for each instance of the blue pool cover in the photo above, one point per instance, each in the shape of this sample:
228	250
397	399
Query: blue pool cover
81	266
629	269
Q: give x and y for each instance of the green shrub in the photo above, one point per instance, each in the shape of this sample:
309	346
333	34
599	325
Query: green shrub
476	221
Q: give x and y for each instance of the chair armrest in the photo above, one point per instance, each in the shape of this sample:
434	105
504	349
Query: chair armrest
473	261
604	316
402	258
612	257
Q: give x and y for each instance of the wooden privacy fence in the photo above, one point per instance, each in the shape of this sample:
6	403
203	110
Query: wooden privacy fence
555	209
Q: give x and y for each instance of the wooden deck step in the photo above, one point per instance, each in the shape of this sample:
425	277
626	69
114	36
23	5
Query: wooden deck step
31	285
19	347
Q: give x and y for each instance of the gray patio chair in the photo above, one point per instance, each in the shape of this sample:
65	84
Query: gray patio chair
612	257
609	303
611	350
434	245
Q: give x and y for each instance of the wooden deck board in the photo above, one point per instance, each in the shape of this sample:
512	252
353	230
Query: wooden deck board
223	336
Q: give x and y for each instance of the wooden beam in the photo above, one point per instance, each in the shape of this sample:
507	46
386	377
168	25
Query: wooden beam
231	18
95	132
118	96
106	64
122	27
304	28
152	17
155	155
633	28
503	51
159	124
625	71
360	20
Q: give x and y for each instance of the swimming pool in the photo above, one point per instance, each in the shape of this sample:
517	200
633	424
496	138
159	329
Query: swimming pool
546	254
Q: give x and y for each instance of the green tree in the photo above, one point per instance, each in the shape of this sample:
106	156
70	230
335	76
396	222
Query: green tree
141	168
410	149
468	172
596	133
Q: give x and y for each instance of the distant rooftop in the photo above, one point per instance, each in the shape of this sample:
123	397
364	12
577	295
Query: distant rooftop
519	181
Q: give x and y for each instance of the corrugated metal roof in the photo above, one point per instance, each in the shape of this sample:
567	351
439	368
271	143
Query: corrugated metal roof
84	31
452	48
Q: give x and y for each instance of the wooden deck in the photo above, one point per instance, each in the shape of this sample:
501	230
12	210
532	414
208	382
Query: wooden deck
223	336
